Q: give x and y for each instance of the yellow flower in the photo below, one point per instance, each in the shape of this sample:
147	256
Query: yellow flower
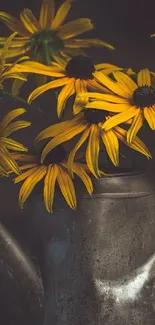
53	169
7	162
48	36
8	71
89	123
74	75
133	100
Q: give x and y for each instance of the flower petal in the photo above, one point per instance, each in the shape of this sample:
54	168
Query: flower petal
12	144
136	144
149	114
119	118
14	24
62	137
39	68
75	149
30	21
112	146
80	102
93	85
144	78
9	117
46	13
5	50
49	186
26	174
50	85
30	183
92	152
87	42
7	162
111	107
61	14
111	85
67	91
74	28
67	187
107	97
107	66
79	170
125	82
55	129
135	126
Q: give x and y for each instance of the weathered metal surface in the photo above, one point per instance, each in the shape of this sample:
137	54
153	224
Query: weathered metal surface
100	260
22	294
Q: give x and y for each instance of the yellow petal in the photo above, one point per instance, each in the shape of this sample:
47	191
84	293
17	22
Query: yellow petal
75	149
5	50
50	85
67	187
15	126
30	183
107	97
67	91
79	170
144	78
119	118
46	13
136	144
95	86
112	146
125	82
107	66
55	129
111	85
9	117
11	75
16	42
12	144
92	151
7	162
14	52
49	186
62	137
135	126
111	107
14	24
39	68
149	114
30	21
87	42
25	174
74	28
61	14
80	102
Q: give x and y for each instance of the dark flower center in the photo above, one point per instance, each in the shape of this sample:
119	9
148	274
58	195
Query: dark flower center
94	116
55	156
81	67
144	96
45	44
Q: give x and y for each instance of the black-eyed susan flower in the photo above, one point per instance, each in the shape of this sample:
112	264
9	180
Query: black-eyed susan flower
54	169
7	145
74	75
8	71
132	100
48	35
89	124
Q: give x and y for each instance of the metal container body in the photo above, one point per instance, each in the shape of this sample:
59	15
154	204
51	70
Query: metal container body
100	261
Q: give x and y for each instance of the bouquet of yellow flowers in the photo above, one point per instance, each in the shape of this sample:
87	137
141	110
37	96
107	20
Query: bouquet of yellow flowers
109	104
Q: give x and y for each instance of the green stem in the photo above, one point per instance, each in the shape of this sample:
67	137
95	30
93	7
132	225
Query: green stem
6	93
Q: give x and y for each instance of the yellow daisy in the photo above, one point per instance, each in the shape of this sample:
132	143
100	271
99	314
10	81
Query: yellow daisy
132	100
48	36
53	169
7	162
89	123
8	71
74	75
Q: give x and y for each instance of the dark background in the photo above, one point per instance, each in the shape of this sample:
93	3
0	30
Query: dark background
125	24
